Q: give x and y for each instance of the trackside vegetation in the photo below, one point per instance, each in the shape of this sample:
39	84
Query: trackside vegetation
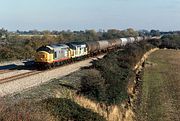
168	41
109	85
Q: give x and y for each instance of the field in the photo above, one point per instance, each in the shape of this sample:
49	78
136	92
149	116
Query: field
160	97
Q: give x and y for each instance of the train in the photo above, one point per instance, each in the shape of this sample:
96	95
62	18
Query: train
54	55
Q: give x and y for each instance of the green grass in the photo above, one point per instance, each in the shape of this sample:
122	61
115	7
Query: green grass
160	88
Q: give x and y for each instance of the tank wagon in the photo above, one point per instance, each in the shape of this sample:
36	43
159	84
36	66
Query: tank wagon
53	55
92	46
115	43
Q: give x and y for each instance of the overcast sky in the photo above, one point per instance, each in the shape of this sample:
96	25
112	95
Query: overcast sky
89	14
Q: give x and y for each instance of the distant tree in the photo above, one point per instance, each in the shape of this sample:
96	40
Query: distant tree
111	34
144	33
155	33
131	32
46	32
60	37
3	34
55	32
91	35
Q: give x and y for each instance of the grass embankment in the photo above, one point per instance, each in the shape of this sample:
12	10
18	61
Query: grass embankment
161	87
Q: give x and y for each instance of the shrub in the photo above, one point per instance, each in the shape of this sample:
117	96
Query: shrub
93	85
168	41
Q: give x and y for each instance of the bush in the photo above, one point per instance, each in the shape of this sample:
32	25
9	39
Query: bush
168	41
93	85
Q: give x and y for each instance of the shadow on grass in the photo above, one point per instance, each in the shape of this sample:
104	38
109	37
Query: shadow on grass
65	109
68	86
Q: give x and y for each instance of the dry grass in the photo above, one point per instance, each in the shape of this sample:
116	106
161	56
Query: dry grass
24	110
161	88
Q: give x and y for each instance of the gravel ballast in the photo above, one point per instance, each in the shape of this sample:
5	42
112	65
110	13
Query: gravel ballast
35	80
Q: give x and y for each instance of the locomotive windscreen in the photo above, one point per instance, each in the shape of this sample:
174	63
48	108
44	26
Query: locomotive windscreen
45	48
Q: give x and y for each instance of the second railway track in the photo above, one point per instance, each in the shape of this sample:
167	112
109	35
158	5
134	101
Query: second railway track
18	76
5	71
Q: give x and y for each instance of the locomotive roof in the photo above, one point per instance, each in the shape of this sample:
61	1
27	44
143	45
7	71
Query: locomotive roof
76	43
59	46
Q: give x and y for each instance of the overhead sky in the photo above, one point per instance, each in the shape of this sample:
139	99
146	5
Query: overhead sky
89	14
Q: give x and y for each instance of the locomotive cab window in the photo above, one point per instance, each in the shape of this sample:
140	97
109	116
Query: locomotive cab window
79	50
55	54
44	48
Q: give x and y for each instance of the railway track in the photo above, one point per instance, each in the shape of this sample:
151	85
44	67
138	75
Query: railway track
18	76
31	73
5	71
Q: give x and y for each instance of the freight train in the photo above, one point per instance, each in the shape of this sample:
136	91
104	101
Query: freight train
58	54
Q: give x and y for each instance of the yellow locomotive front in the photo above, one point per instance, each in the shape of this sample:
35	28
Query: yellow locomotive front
44	55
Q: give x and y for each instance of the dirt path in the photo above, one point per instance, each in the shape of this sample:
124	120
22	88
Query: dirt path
160	98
